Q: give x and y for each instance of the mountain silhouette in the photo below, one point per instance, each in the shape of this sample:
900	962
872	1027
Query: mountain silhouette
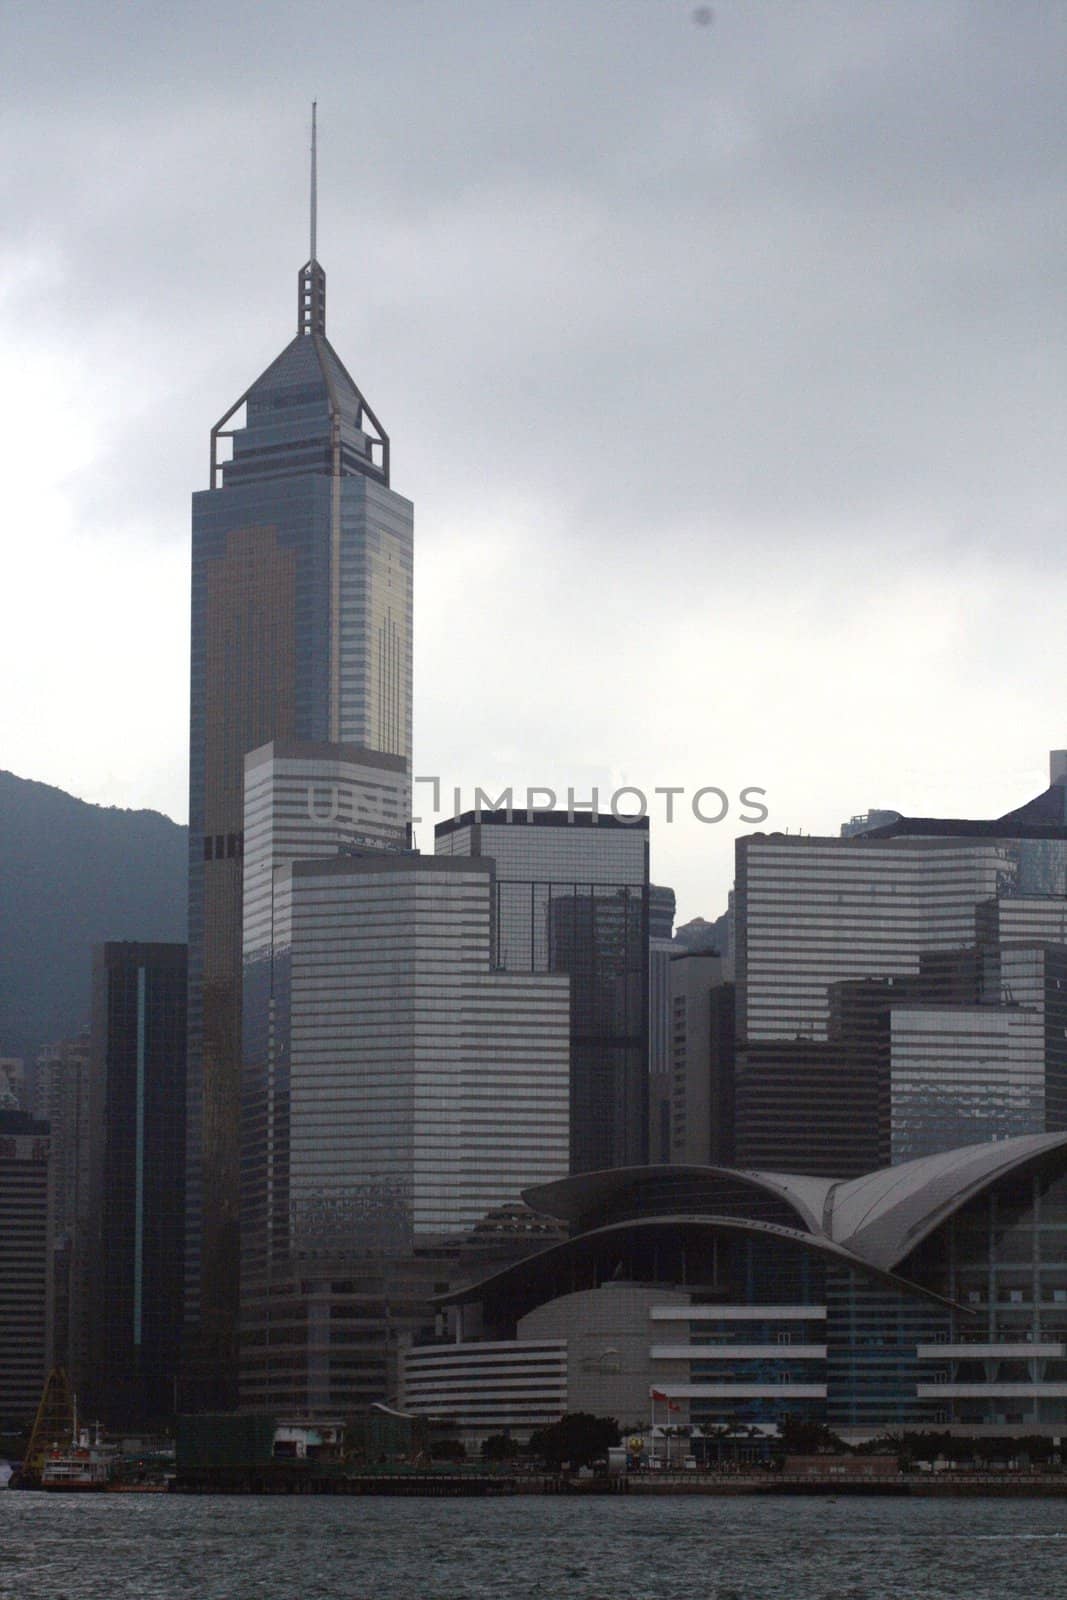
72	875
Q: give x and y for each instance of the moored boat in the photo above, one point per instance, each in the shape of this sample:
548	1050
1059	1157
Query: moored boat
75	1469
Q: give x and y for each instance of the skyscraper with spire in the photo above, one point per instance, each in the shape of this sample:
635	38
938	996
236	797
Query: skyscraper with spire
301	629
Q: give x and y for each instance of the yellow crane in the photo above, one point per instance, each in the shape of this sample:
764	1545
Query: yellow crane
53	1426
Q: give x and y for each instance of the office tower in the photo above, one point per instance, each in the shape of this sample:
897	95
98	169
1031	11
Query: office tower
702	1061
23	1265
660	1060
136	1180
62	1099
661	909
397	1090
897	988
301	629
571	895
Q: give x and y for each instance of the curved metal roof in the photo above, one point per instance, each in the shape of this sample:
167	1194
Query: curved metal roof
570	1198
528	1268
884	1215
878	1218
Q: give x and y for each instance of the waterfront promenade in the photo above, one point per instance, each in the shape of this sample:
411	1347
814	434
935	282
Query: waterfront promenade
1008	1484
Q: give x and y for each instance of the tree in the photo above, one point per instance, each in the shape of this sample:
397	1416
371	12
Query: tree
579	1438
448	1450
499	1447
802	1438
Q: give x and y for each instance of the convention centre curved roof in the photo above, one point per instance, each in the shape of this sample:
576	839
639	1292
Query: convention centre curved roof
878	1218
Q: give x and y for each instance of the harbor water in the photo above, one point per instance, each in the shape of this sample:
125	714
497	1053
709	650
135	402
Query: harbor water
165	1547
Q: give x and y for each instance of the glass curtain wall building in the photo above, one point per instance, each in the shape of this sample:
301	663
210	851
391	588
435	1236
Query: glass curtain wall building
398	1090
301	629
62	1099
136	1180
900	990
570	895
927	1295
24	1230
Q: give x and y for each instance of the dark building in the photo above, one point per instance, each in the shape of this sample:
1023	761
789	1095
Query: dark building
23	1265
301	629
571	895
136	1180
62	1099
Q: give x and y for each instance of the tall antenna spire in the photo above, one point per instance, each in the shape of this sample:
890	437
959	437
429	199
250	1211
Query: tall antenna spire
314	178
311	302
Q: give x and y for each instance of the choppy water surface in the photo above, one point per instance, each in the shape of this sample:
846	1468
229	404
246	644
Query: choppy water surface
68	1547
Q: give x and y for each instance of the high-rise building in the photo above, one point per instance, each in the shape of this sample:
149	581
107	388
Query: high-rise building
570	894
301	629
898	988
136	1180
398	1091
660	1055
23	1265
661	908
702	1061
62	1099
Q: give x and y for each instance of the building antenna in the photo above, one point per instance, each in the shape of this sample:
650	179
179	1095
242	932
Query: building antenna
314	178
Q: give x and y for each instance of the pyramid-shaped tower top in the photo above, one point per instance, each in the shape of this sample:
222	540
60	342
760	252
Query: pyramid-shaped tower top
305	413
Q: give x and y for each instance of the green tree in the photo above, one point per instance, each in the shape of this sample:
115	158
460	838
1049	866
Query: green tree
448	1450
579	1438
802	1438
499	1447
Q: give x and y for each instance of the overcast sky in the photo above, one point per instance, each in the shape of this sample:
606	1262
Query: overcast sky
723	360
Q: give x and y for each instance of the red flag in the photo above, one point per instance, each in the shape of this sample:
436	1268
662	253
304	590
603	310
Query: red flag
672	1407
657	1394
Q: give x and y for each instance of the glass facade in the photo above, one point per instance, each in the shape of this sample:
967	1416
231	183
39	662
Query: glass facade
136	1181
397	1089
301	629
964	1075
24	1153
571	897
927	1296
1002	1259
702	1061
816	912
897	995
61	1098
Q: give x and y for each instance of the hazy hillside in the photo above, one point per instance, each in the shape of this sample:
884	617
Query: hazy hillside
71	875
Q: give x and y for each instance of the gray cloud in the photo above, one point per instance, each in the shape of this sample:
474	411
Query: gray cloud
710	313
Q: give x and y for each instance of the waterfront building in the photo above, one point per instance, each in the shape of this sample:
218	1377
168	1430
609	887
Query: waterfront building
301	630
24	1252
570	895
927	1295
136	1181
